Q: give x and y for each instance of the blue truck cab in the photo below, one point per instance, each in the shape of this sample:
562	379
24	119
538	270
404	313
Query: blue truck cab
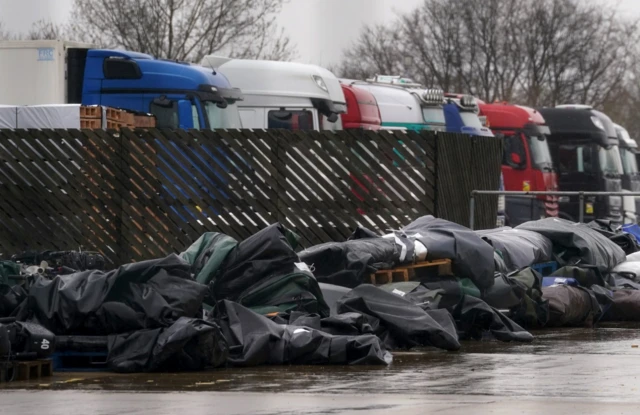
180	95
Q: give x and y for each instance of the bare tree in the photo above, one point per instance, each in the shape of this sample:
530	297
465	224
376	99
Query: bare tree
538	53
184	30
45	30
377	51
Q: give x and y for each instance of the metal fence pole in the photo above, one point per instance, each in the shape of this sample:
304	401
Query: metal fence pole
472	208
581	207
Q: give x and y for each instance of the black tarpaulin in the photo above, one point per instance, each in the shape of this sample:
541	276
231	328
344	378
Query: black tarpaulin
520	292
519	248
332	293
10	298
575	242
407	324
187	345
471	256
255	340
349	264
473	317
612	231
268	253
143	295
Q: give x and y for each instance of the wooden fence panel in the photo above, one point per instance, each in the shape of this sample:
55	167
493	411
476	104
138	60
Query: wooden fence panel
140	194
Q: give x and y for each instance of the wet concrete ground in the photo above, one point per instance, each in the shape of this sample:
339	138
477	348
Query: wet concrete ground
563	371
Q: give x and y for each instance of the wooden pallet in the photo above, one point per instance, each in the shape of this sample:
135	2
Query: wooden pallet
17	370
408	272
34	369
6	371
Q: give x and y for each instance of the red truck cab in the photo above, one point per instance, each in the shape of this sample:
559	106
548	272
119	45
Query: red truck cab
362	109
527	163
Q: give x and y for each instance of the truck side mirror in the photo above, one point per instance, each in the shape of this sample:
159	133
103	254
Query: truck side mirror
162	101
185	115
515	158
333	117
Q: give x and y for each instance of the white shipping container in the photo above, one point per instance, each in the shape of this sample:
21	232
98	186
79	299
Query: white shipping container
34	72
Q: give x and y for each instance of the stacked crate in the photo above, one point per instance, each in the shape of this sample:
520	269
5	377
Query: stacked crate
144	121
117	119
91	117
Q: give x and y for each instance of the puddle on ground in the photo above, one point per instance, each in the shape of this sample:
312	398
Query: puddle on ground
580	362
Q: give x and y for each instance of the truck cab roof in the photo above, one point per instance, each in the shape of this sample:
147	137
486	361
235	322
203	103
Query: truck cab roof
362	109
507	116
573	124
145	71
397	104
280	84
624	139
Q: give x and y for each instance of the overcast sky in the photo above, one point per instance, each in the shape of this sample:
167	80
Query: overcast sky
320	28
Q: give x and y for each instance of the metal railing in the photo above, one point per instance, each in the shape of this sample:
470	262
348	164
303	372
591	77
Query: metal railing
581	196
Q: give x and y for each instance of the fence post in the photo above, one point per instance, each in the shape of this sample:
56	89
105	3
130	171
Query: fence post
472	208
581	207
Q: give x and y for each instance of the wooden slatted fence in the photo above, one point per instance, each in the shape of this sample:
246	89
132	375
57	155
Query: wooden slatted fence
140	194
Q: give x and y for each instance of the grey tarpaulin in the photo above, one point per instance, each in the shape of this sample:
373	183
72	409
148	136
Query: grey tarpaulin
519	248
255	340
576	242
402	323
143	295
471	256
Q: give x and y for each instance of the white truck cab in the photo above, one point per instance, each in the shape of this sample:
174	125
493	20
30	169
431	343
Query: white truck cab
285	95
404	105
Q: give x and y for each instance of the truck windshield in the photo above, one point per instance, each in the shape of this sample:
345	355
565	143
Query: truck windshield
610	160
540	155
629	164
470	119
433	115
228	118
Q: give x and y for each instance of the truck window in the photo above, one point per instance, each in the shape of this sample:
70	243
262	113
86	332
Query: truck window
577	159
291	120
629	162
513	144
167	116
195	117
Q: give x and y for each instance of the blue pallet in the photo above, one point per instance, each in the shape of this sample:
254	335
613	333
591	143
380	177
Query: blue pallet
545	268
79	362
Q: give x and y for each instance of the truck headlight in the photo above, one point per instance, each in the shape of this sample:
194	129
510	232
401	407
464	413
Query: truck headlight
320	83
615	201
